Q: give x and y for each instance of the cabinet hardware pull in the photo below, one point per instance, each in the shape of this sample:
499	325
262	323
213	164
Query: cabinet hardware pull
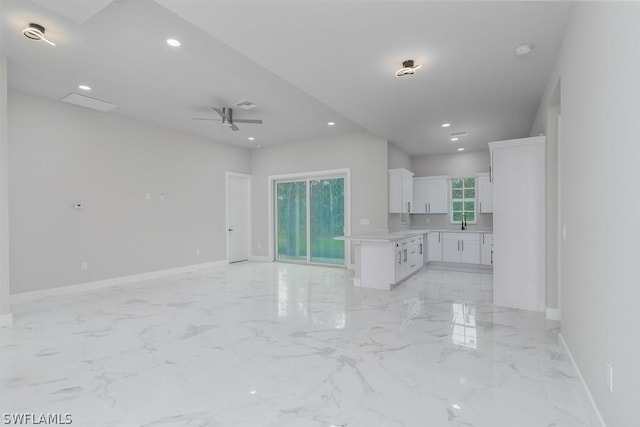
458	245
405	255
491	257
420	248
425	208
439	237
483	238
480	207
462	241
408	206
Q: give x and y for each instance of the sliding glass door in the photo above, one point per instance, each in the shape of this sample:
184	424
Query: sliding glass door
309	214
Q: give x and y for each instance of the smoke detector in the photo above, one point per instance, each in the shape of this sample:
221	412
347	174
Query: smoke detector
36	32
408	68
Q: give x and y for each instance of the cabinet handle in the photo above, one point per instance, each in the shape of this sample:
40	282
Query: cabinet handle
429	207
462	241
408	206
420	248
405	255
483	238
439	237
491	257
480	207
458	245
400	257
425	208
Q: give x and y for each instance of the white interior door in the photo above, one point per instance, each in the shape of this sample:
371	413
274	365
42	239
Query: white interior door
237	217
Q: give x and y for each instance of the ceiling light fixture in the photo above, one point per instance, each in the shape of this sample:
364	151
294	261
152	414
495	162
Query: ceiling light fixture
446	125
454	139
524	49
36	32
460	149
173	42
331	124
84	87
408	68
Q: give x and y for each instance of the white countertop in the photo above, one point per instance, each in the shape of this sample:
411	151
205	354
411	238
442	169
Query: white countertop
403	234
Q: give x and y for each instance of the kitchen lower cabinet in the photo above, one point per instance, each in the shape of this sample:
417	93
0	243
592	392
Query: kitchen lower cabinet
486	249
461	247
434	246
384	264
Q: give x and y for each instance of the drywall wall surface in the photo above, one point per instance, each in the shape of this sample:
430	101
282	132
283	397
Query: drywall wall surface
598	169
453	165
4	192
61	155
363	153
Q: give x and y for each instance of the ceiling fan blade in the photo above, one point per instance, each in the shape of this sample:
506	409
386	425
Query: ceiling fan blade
254	121
205	118
219	111
234	127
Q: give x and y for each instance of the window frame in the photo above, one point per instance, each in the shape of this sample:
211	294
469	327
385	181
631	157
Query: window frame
464	200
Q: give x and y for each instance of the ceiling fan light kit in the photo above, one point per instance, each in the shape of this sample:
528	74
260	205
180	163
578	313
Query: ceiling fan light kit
408	68
226	117
36	32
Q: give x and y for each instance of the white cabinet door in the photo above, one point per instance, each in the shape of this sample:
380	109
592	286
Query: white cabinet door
434	246
419	204
485	194
437	195
485	249
400	190
450	249
470	250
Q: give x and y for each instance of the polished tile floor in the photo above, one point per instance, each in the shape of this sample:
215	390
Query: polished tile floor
267	344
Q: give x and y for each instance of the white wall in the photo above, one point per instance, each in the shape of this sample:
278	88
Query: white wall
458	164
363	153
4	197
62	154
599	153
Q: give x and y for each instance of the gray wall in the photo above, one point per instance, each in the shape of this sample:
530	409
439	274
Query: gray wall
4	192
598	172
62	154
364	153
458	164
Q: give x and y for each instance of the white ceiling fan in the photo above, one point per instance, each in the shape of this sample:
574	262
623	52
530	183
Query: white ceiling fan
226	117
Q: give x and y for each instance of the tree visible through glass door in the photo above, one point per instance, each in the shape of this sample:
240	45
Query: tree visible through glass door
326	208
291	208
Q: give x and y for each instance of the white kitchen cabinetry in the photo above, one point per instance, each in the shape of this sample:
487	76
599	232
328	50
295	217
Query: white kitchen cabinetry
434	246
430	194
461	247
518	180
486	249
400	190
485	193
386	263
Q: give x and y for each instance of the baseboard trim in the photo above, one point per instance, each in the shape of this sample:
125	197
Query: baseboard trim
553	314
106	283
6	320
260	258
584	383
454	266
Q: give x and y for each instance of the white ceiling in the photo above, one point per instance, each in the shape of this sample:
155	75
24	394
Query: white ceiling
303	63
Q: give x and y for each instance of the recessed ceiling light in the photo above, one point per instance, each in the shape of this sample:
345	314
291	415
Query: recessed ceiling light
173	42
84	87
258	146
408	68
251	138
524	49
446	125
36	32
454	139
331	123
460	149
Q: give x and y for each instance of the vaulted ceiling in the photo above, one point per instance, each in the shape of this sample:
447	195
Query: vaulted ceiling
304	63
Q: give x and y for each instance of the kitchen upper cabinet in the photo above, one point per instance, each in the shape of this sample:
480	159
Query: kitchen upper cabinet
434	246
400	190
461	247
430	194
485	193
486	249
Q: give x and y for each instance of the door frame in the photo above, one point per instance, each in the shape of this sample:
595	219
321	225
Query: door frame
227	175
298	176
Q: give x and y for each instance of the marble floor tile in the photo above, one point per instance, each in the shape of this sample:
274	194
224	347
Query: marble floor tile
268	344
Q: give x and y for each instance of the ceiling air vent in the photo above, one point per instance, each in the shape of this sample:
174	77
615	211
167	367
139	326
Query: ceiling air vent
458	134
88	102
245	105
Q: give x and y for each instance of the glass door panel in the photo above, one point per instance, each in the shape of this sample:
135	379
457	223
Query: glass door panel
291	211
326	216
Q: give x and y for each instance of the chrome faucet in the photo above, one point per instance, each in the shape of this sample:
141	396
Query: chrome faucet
464	222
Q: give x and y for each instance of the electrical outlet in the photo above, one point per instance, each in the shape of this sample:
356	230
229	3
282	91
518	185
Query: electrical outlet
427	220
609	376
197	251
84	266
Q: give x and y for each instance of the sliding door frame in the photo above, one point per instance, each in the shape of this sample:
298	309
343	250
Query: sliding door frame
310	176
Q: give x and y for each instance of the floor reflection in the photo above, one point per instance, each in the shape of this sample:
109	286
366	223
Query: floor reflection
464	325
